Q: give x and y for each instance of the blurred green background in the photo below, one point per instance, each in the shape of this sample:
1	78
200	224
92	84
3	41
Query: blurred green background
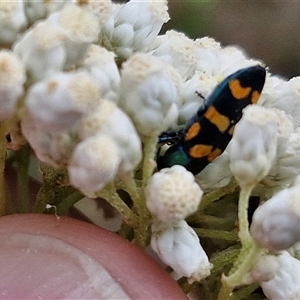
267	30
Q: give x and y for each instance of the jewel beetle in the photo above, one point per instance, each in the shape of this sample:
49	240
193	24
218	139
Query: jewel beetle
207	133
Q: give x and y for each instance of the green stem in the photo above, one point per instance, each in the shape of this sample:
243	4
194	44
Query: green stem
245	292
137	196
244	233
64	206
211	197
40	201
235	279
110	194
3	128
23	159
208	221
216	234
249	253
149	154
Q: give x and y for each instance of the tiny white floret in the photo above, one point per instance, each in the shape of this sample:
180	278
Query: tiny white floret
149	94
278	275
172	194
110	120
276	223
94	163
178	246
133	26
100	63
58	102
42	51
177	50
252	149
12	78
81	28
12	21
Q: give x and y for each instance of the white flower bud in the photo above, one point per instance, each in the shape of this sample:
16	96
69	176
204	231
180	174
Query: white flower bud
149	96
81	28
102	9
212	60
253	147
216	174
12	78
58	102
232	59
172	194
133	26
177	50
12	21
179	247
42	51
208	52
36	10
100	63
278	275
284	95
94	163
54	150
276	223
108	119
194	93
287	164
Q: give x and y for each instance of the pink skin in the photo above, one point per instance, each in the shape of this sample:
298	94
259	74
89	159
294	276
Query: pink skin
43	257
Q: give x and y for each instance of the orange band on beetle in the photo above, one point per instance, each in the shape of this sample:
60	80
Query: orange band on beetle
239	92
215	153
221	121
255	97
200	150
231	130
193	131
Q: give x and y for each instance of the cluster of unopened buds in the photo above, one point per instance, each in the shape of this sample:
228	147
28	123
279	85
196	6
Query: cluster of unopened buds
91	85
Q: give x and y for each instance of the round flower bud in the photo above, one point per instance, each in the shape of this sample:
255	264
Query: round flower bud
132	27
287	165
42	51
81	28
276	223
100	63
12	78
110	120
177	50
253	146
36	10
233	58
172	194
58	102
52	149
149	95
93	164
278	275
208	52
12	21
102	9
178	246
283	95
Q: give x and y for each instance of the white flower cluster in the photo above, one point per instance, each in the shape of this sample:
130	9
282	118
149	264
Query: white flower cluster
278	275
90	80
276	223
171	195
178	246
